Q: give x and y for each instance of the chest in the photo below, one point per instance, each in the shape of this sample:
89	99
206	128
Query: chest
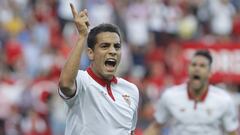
99	101
190	111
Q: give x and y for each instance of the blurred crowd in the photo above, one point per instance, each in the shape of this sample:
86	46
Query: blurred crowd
36	36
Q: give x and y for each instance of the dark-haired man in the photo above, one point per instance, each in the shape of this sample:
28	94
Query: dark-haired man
98	103
196	107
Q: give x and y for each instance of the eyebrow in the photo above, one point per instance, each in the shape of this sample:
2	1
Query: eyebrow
200	63
107	43
117	44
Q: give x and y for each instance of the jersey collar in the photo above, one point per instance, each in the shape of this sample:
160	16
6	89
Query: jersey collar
202	97
100	80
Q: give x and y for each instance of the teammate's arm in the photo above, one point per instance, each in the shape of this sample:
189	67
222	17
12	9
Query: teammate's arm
70	69
153	129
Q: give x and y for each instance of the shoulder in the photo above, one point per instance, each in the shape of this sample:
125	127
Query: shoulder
220	93
82	75
130	87
82	72
126	83
83	78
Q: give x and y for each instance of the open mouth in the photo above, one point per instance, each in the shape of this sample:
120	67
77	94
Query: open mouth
110	64
196	77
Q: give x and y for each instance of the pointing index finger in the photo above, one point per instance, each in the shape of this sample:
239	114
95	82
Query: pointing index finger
74	11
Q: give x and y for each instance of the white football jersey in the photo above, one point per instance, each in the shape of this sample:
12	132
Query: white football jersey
210	116
99	108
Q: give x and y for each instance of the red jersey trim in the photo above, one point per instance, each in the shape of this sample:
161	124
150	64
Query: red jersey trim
100	80
103	82
191	96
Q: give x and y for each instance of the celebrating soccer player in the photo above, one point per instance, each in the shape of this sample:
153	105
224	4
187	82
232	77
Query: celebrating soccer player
196	107
98	102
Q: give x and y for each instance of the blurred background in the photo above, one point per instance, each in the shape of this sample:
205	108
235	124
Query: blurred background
159	37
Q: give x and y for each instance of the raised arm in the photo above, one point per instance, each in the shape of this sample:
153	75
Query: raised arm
70	69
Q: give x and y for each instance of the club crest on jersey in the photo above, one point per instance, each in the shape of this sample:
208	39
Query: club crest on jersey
126	97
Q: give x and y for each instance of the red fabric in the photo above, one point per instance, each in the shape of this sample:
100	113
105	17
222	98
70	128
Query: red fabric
191	95
44	96
154	55
236	26
103	82
109	90
100	80
13	52
56	38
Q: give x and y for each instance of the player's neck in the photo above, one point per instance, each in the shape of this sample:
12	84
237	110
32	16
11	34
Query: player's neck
198	93
99	75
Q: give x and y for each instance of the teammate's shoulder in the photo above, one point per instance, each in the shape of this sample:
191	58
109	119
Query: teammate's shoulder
216	89
222	93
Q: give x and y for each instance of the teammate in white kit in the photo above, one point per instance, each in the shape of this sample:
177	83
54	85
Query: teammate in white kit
196	107
98	103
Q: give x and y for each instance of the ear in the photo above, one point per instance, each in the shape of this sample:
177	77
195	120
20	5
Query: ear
210	72
90	54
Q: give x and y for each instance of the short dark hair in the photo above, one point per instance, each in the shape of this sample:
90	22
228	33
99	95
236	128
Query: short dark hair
104	27
204	53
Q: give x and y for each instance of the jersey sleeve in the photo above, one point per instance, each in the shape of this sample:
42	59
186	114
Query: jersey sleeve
134	120
230	117
79	86
162	114
135	115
